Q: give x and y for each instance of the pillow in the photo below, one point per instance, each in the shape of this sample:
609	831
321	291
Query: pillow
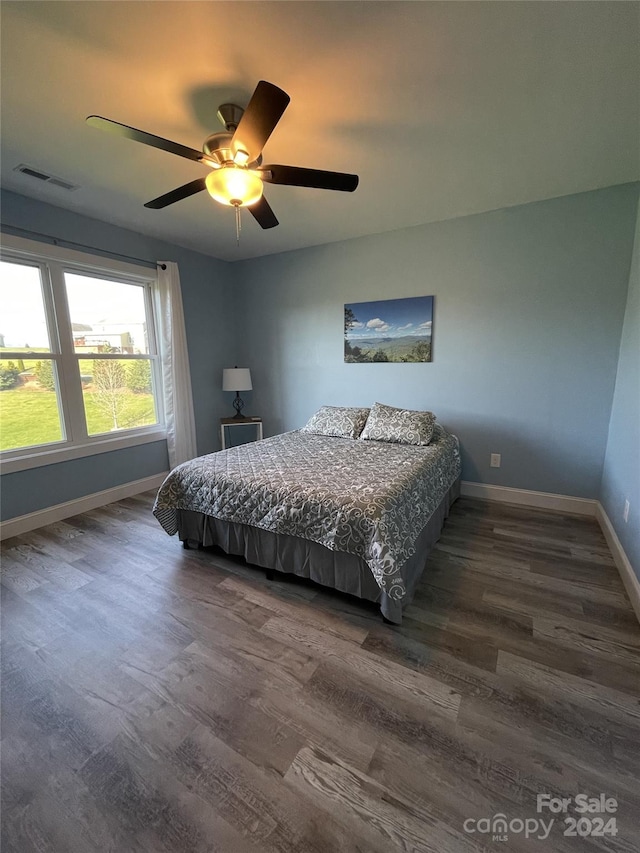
402	426
339	421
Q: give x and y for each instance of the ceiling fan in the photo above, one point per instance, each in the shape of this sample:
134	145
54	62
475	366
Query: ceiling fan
235	157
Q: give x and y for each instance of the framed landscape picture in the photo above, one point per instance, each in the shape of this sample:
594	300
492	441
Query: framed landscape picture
396	330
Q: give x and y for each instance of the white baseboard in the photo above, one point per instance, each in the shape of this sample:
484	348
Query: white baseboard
628	576
526	497
33	520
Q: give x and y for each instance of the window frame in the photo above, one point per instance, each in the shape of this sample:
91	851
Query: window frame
53	262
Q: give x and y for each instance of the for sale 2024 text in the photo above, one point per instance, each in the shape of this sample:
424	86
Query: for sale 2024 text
593	813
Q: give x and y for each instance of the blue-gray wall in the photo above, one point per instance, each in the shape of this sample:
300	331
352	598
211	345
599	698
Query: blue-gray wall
529	310
209	306
37	488
529	306
621	472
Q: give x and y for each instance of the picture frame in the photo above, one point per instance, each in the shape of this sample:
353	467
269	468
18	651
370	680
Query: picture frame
389	330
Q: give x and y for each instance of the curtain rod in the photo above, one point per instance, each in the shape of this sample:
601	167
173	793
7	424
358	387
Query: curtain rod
58	241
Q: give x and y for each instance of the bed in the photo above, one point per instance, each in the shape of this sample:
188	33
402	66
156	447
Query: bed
356	515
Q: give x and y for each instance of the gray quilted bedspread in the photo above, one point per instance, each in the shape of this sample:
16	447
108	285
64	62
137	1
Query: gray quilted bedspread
367	498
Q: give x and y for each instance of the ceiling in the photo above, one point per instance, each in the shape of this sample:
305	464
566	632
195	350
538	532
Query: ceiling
443	109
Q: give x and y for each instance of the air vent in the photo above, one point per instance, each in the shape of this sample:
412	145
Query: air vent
46	178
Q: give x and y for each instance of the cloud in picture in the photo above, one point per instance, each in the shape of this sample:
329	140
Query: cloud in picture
378	325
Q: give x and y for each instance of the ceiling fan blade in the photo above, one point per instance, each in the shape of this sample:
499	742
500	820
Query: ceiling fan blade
262	114
262	213
146	138
294	176
177	195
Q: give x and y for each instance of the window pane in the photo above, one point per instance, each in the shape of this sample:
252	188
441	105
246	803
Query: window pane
106	316
29	411
117	394
23	325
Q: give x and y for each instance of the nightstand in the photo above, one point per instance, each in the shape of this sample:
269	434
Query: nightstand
227	423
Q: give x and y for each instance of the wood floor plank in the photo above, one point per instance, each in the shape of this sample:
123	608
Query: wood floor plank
307	612
454	638
474	611
18	577
399	679
587	661
611	705
47	825
612	642
512	575
264	810
23	622
607	613
379	711
319	725
391	822
434	660
580	571
259	654
538	602
50	569
219	698
153	805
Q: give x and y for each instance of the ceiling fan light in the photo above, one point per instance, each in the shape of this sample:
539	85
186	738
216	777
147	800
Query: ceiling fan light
234	186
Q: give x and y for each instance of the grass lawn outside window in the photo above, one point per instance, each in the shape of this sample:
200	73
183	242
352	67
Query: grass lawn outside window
30	417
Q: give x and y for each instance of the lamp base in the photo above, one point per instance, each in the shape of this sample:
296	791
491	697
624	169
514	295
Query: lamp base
238	405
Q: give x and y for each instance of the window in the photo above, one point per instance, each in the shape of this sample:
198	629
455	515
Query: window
79	365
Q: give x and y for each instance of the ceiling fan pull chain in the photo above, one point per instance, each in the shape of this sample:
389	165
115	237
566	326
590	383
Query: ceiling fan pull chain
238	224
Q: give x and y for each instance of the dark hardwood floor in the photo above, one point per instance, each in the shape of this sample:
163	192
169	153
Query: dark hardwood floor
168	701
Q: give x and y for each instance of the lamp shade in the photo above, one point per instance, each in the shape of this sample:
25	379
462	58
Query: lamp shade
236	379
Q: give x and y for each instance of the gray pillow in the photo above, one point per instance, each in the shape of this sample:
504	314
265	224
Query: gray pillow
340	421
402	426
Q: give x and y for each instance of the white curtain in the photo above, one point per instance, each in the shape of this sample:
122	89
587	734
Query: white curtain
178	397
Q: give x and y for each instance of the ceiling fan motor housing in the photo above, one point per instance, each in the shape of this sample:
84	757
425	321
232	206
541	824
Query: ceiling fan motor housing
218	145
218	149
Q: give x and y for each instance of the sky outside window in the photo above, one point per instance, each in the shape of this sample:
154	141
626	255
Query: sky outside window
22	317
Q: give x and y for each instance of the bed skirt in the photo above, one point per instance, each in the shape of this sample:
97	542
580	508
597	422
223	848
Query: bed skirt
292	555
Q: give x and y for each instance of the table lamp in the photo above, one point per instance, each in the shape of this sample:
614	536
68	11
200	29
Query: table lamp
237	379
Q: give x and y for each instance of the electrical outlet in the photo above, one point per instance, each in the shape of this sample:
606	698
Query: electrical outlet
625	514
495	460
